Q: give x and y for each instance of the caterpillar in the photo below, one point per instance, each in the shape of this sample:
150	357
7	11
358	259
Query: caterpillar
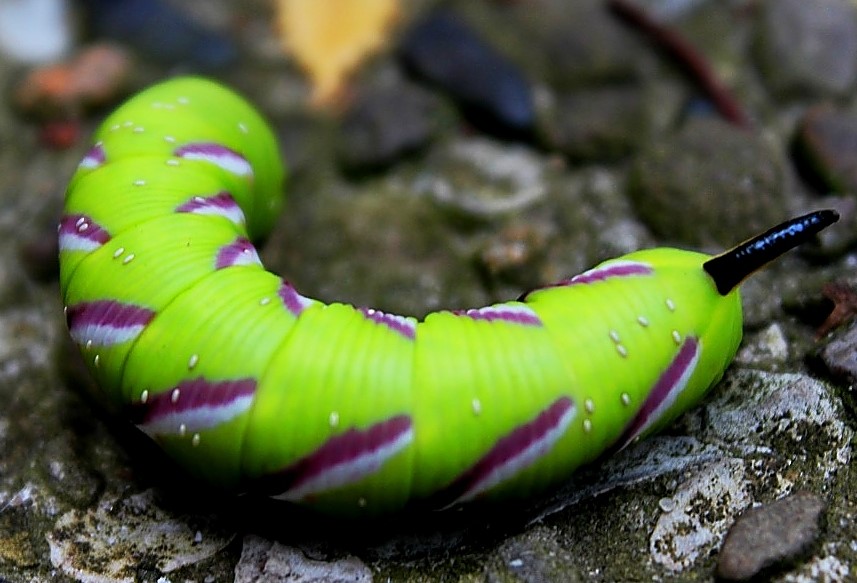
254	387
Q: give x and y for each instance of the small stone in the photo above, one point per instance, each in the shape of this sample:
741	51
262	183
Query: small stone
827	140
386	124
710	184
840	355
598	124
808	46
770	536
493	94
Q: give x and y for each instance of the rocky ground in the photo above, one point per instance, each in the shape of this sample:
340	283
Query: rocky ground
417	196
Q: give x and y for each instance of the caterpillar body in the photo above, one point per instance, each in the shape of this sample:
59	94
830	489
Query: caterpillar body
255	387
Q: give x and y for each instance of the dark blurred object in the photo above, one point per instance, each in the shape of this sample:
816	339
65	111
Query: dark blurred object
96	77
492	93
825	145
387	124
158	30
688	57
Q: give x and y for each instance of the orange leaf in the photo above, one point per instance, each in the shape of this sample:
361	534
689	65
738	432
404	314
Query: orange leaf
330	38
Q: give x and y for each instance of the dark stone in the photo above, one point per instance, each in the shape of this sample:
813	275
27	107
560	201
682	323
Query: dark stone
808	46
492	93
840	355
577	56
709	184
826	141
770	537
158	30
386	124
598	124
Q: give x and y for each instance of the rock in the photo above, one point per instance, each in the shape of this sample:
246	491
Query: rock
579	58
709	184
263	560
770	536
826	139
386	124
808	46
160	31
839	355
35	31
493	94
598	124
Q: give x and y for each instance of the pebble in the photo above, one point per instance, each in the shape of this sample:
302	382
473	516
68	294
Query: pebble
808	46
35	31
160	31
601	124
721	182
386	124
826	139
770	537
492	93
839	355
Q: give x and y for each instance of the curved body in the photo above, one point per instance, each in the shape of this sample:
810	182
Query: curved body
253	386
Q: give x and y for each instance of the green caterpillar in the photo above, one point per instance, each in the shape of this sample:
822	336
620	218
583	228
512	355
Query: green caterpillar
254	387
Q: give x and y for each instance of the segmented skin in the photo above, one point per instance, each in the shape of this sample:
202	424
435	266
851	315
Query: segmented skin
255	387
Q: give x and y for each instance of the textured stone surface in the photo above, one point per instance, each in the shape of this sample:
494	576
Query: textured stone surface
84	498
770	536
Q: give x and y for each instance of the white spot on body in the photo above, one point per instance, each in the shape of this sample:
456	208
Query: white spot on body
676	337
243	127
182	430
195	440
264	301
96	360
623	352
89	344
183	100
589	406
193	361
139	130
476	405
128	259
614	336
643	321
587	426
170	139
118	253
626	399
144	396
174	396
361	502
172	162
670	304
333	419
139	183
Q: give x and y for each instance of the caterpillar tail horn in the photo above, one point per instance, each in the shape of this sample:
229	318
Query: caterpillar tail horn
732	267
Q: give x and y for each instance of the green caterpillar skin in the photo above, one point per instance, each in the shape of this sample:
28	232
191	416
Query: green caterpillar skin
255	387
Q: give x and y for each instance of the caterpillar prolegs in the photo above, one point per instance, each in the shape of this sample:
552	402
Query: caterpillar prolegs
255	387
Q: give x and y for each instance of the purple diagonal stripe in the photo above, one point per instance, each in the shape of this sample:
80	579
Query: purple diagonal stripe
94	158
664	392
194	405
78	232
106	322
514	452
221	204
294	302
512	313
611	270
239	252
343	459
399	324
216	154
